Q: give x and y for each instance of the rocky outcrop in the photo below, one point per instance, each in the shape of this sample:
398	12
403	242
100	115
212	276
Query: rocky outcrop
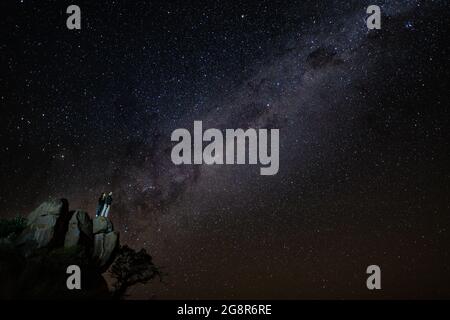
33	261
51	225
102	225
35	253
46	226
79	231
105	245
105	241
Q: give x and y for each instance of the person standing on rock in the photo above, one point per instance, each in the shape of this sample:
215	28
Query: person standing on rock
107	206
101	204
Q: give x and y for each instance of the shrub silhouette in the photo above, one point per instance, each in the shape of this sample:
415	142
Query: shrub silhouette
130	268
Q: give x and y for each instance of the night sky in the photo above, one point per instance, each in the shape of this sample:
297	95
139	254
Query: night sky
363	116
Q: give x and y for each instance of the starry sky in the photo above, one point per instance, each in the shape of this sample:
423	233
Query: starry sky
363	118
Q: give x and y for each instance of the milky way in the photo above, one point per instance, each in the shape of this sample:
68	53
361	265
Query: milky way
363	151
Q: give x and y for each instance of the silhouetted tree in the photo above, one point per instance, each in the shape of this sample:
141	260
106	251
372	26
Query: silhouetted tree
131	267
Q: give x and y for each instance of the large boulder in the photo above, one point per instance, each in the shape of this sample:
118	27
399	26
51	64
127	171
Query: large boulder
33	264
105	245
46	225
106	241
79	231
102	225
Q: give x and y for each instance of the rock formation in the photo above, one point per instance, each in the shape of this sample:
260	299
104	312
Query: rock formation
52	225
46	226
35	253
79	231
33	263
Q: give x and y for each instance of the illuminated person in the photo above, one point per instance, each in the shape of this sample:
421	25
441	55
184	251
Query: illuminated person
107	206
101	204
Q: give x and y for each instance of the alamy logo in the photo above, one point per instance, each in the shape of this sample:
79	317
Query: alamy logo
374	280
231	150
374	20
74	280
74	20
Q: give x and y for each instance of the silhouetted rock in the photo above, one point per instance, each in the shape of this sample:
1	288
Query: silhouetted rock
35	254
79	231
102	225
46	226
33	265
105	245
